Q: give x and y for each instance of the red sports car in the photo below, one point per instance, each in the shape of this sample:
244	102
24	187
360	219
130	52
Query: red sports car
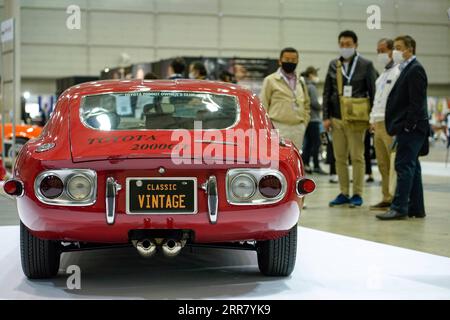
159	165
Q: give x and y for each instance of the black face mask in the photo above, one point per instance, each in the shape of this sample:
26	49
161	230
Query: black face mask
288	67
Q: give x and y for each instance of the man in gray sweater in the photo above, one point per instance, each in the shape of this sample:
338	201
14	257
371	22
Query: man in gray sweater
312	142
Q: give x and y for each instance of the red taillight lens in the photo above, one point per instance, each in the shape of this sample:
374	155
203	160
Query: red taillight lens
13	187
270	186
305	186
51	187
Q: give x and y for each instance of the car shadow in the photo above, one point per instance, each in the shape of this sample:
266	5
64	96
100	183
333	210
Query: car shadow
200	273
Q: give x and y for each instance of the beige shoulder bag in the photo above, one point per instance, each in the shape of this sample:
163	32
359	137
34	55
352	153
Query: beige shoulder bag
355	110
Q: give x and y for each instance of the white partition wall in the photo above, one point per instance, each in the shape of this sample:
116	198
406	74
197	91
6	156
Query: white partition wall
147	30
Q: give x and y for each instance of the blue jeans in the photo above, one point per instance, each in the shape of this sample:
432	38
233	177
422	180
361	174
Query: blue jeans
408	196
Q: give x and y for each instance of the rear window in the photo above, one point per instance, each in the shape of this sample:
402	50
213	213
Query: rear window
158	110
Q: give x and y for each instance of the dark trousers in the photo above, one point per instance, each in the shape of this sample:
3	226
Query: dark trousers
312	144
409	192
367	149
330	158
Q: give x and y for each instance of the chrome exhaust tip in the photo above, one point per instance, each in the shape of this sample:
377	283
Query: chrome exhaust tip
145	247
171	248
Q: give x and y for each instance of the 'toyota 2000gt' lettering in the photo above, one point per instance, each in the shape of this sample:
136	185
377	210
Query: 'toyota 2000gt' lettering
125	138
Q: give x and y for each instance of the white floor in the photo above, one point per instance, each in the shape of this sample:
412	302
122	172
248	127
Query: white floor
328	266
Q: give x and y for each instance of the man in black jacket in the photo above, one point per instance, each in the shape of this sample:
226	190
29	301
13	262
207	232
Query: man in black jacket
407	119
348	138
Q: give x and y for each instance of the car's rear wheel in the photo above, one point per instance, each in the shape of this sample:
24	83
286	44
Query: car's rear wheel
40	258
277	257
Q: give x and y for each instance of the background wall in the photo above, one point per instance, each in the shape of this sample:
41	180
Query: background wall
148	30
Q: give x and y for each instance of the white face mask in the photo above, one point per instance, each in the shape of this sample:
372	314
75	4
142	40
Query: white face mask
192	75
347	52
383	58
397	56
315	80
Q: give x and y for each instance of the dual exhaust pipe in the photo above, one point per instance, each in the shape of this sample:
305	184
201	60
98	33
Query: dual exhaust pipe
147	247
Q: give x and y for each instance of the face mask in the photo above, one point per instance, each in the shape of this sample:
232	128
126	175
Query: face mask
397	56
288	67
347	52
315	80
383	58
192	75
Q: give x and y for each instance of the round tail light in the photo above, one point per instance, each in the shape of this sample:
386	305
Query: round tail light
13	187
243	186
270	186
51	187
79	187
305	186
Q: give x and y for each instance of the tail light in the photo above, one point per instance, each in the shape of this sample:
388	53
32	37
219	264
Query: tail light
255	186
270	186
69	187
305	186
243	186
14	188
51	187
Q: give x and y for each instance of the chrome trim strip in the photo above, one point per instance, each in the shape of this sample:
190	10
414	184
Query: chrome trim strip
213	199
216	142
127	207
64	199
257	198
45	147
112	188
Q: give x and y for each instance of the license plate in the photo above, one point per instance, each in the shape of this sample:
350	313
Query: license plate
161	195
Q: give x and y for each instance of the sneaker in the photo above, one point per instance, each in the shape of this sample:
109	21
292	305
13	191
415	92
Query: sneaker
370	179
383	205
356	201
340	200
308	170
333	179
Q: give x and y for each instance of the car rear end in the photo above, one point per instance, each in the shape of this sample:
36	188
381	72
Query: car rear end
140	171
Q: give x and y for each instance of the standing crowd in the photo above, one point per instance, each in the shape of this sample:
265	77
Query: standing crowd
357	101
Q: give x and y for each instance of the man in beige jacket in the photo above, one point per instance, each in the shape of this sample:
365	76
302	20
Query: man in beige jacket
285	98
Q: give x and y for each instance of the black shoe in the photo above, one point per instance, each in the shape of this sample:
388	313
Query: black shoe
319	171
370	179
383	205
392	215
417	215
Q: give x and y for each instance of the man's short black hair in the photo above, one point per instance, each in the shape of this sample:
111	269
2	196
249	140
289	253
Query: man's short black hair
200	67
348	34
288	49
389	43
178	65
409	42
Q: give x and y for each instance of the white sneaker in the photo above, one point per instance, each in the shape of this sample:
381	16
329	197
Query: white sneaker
334	179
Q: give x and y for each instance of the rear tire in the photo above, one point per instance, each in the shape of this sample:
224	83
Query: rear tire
277	257
40	258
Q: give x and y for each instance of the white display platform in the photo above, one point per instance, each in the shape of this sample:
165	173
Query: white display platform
329	266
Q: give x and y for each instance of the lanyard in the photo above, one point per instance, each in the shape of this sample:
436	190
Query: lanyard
350	76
